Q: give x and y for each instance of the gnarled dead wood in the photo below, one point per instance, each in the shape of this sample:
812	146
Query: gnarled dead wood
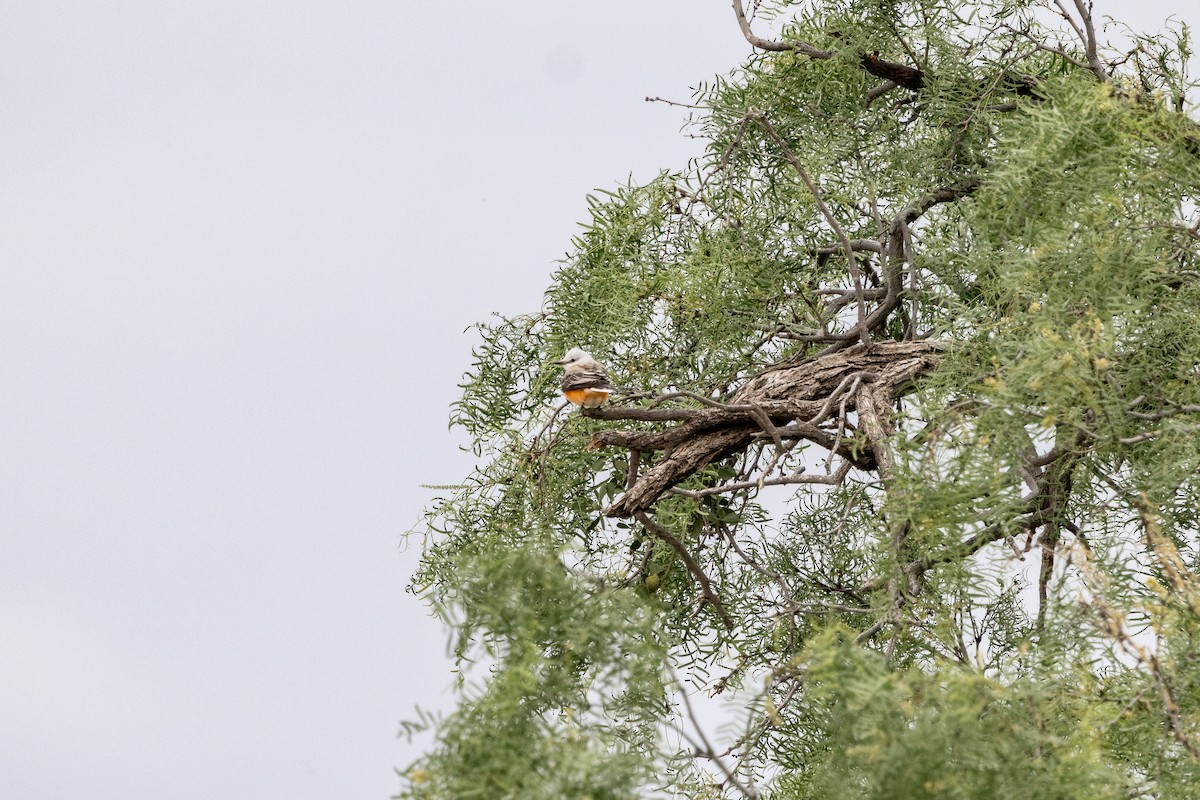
793	394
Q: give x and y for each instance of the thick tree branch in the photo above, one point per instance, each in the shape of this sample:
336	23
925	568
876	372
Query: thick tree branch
1088	36
792	395
908	77
897	74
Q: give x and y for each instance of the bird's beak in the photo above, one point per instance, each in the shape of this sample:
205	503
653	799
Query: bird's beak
563	362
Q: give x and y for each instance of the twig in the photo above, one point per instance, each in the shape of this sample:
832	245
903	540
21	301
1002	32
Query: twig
813	189
836	479
870	632
841	427
773	46
693	566
533	443
707	750
1160	415
879	91
826	608
1086	34
678	104
855	244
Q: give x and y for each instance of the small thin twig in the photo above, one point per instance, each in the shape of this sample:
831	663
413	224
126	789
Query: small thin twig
815	191
693	566
841	428
678	104
705	748
533	443
826	608
1145	436
836	479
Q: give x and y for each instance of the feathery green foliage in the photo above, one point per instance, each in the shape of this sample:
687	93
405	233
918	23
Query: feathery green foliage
984	584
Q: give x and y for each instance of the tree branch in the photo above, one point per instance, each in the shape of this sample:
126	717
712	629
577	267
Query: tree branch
836	479
793	392
693	566
771	45
847	245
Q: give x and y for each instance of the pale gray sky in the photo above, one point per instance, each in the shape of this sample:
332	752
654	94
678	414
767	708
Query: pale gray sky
240	241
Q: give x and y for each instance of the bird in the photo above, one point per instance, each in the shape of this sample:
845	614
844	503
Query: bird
584	382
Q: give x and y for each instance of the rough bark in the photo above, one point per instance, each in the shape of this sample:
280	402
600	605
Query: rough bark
805	393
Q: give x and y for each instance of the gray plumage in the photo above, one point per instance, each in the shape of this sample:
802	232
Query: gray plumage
581	371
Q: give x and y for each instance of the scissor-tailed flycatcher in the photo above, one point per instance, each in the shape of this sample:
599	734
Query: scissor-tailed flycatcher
584	383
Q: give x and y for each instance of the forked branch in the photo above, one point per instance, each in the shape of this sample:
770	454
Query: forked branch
795	397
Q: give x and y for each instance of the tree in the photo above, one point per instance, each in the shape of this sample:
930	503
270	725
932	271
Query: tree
905	475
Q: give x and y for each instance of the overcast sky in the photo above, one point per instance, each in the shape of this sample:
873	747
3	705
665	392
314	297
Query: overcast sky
240	242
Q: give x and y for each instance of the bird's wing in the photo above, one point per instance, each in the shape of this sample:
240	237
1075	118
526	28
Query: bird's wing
586	380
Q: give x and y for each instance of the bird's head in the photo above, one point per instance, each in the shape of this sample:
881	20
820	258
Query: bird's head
574	356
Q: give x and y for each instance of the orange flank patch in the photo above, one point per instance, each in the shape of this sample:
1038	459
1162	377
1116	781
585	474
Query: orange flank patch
588	398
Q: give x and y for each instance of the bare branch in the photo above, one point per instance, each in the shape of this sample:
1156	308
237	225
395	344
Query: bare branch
792	391
1160	415
642	414
826	608
870	632
836	479
631	474
771	45
1086	34
879	91
855	244
1085	14
704	748
677	104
